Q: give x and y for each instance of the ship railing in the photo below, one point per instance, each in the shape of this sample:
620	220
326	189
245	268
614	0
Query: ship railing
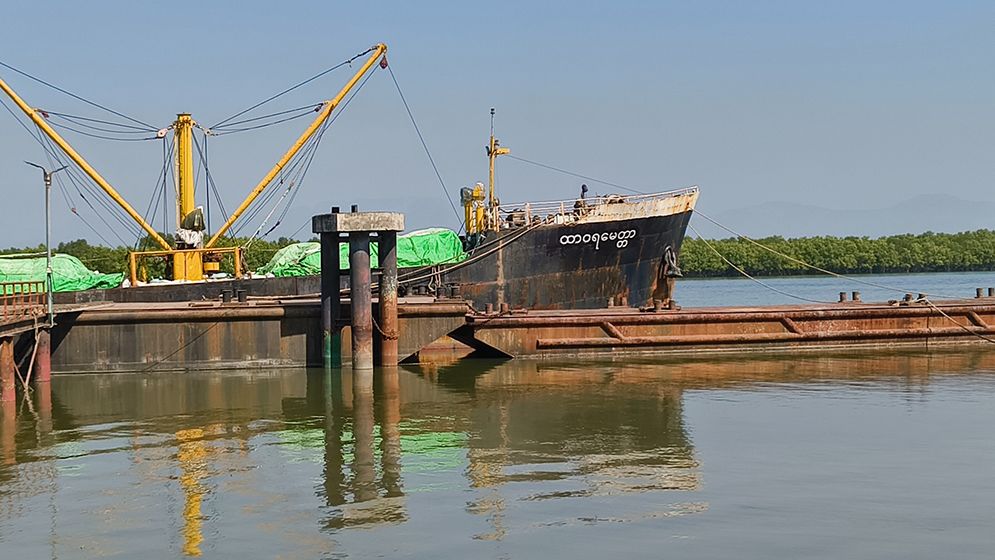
19	300
143	265
543	209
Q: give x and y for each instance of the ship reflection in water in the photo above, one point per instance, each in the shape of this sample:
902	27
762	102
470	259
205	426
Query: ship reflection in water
407	462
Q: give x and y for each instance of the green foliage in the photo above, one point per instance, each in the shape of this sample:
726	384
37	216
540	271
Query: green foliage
926	252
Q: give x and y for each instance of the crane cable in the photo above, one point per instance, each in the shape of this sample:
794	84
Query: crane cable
421	138
210	176
300	112
50	153
748	276
82	182
99	136
292	88
84	121
306	154
75	96
572	174
160	183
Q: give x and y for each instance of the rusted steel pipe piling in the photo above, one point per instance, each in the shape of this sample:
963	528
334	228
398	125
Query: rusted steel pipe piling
388	299
360	280
331	308
7	388
43	356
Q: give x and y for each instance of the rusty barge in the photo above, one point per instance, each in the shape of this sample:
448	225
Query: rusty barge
269	332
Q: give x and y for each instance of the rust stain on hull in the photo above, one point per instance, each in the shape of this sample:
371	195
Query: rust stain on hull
540	334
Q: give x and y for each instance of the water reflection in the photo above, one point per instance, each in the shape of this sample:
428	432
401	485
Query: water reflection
237	462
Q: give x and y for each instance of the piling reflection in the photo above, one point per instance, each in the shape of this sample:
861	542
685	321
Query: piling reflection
361	422
202	454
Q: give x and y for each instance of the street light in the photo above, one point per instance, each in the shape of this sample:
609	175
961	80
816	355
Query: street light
48	236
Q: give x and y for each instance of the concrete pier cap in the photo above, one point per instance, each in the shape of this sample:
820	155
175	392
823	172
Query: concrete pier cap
357	222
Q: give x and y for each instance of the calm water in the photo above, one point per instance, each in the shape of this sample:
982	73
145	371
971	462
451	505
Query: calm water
883	455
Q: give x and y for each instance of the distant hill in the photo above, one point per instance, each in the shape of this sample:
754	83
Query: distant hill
937	213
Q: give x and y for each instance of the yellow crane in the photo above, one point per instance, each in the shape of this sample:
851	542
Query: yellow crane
191	256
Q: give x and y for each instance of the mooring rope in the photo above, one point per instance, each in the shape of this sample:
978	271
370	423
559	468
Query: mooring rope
951	319
812	266
501	243
924	300
747	275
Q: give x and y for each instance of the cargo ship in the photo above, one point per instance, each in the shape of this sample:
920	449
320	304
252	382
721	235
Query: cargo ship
586	252
583	253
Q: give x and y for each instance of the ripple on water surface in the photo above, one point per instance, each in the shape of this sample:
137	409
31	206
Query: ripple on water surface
855	455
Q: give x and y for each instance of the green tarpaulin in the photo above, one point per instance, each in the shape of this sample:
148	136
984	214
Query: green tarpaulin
419	248
68	273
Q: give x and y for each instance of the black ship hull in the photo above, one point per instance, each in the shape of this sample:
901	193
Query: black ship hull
579	265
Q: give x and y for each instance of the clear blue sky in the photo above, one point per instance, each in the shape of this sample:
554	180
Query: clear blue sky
828	104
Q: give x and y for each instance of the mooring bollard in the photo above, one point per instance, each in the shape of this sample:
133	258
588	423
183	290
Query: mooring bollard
855	296
979	292
991	292
358	226
842	297
387	245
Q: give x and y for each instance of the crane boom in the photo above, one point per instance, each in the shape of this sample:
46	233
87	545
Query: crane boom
82	163
327	108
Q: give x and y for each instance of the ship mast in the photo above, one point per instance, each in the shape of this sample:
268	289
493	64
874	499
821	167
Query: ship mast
183	131
494	150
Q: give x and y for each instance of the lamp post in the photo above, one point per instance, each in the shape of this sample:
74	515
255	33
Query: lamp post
47	175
